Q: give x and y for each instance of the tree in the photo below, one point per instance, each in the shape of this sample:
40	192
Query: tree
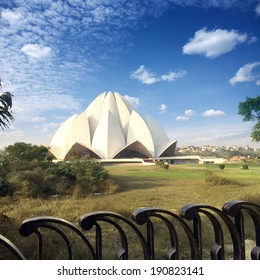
24	152
5	108
250	110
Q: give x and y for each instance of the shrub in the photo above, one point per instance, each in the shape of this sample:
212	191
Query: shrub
82	170
78	177
244	167
222	166
32	183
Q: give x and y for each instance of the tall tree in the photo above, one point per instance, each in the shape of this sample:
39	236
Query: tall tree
250	110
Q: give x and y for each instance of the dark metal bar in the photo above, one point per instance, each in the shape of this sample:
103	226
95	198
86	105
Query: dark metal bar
191	211
142	216
10	246
32	225
235	208
89	220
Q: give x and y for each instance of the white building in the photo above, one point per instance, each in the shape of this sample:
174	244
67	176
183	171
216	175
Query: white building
110	128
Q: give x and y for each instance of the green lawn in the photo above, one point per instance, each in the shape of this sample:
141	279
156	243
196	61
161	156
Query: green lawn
182	184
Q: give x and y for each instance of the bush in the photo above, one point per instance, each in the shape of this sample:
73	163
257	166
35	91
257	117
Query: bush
82	171
222	166
32	183
78	177
244	167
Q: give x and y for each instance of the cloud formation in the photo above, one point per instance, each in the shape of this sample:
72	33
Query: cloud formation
172	76
213	113
213	43
146	77
47	48
11	17
246	74
187	115
36	51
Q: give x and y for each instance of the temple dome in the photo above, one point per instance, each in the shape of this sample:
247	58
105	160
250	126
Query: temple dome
111	128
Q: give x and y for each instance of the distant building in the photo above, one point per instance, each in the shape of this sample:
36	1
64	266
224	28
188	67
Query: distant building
110	128
192	160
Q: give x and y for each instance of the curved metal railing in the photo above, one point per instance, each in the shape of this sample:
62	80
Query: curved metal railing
34	225
226	227
92	219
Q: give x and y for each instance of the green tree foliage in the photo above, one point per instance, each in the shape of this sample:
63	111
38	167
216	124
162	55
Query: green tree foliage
5	109
84	169
256	132
24	152
250	110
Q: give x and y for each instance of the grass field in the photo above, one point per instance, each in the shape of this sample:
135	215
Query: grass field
146	186
182	184
140	186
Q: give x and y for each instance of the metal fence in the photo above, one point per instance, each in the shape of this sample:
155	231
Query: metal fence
197	232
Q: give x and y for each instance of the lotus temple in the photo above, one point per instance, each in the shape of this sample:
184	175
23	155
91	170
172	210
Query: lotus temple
111	129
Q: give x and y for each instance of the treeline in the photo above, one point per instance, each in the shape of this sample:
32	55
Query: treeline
27	170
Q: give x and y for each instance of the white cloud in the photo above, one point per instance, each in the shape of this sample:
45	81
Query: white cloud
257	9
36	51
187	114
10	16
213	43
144	76
182	118
172	76
245	74
213	113
134	101
163	108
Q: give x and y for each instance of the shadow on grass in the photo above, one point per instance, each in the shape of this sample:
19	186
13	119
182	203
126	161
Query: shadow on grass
127	183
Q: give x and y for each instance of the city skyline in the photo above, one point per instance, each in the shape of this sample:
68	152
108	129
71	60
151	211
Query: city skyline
187	64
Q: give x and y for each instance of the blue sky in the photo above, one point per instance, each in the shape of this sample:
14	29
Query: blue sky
187	64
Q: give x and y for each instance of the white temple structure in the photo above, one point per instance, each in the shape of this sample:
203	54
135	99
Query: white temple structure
110	128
